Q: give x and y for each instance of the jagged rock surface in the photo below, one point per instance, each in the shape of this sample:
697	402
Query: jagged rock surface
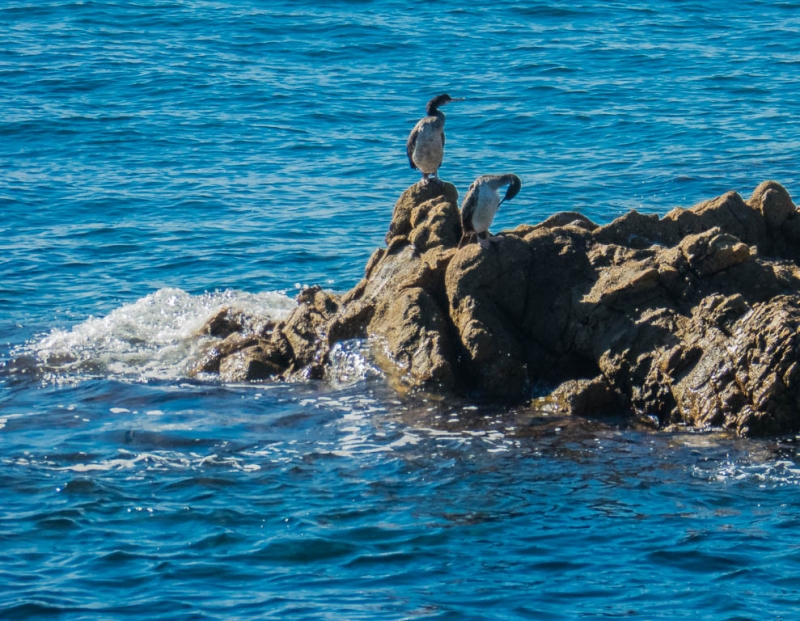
690	319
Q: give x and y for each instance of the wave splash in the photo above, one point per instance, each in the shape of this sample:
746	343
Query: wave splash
157	337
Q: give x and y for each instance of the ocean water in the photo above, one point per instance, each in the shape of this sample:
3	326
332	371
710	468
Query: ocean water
162	159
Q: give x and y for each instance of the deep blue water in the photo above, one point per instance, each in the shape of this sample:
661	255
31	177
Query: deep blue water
161	159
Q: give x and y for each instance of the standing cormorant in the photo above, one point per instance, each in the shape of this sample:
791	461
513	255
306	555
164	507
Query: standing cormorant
425	145
481	203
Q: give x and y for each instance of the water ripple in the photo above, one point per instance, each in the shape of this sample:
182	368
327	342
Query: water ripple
160	159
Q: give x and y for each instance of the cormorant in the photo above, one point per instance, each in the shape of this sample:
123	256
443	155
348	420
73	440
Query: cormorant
425	144
481	203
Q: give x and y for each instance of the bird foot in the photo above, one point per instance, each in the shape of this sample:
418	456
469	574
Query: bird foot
486	242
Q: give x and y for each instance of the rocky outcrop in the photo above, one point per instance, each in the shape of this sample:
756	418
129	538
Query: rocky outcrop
690	319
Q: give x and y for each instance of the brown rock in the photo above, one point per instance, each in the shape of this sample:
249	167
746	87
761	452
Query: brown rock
636	230
305	331
233	343
414	334
728	212
401	304
712	251
487	292
421	201
774	203
744	379
224	323
249	364
585	397
565	218
692	319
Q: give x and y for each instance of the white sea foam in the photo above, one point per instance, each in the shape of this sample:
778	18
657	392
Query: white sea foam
126	460
350	363
770	473
155	337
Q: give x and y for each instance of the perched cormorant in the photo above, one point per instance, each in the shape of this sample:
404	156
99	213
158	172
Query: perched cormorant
425	145
481	203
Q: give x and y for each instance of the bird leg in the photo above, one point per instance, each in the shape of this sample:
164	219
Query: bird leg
425	178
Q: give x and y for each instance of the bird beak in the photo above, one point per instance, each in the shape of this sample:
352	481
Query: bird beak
458	99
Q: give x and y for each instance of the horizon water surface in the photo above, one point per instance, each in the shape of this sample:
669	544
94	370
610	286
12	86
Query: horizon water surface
162	159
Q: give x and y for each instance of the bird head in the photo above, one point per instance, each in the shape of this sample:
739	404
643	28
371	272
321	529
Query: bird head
514	186
439	100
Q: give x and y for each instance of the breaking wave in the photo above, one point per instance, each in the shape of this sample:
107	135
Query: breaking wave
156	337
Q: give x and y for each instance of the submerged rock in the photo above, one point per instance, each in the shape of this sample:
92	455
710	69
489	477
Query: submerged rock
690	319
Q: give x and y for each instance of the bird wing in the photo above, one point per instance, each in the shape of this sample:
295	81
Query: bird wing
468	207
411	143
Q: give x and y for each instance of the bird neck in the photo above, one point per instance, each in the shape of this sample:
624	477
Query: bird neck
433	110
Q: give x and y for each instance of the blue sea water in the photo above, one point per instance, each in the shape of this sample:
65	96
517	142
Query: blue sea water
162	159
